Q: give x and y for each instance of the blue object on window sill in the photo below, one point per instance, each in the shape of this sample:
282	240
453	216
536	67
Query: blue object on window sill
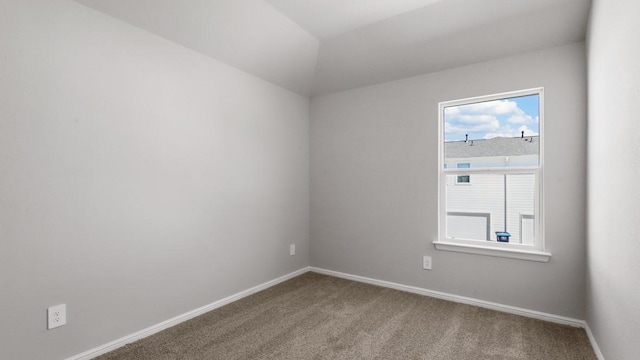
502	236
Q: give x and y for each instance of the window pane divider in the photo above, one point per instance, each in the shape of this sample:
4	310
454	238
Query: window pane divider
492	170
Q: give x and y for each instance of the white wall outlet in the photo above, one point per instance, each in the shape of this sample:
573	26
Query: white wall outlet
56	316
426	262
292	249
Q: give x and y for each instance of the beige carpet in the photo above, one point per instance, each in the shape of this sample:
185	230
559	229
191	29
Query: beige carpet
315	316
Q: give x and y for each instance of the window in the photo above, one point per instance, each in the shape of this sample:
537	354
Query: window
463	179
497	140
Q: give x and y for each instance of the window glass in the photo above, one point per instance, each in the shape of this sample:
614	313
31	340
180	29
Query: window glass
494	203
495	133
463	179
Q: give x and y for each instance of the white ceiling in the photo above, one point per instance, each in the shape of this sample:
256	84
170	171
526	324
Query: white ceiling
315	47
445	35
328	18
250	35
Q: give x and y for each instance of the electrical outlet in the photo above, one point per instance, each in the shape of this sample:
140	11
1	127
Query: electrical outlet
56	316
292	249
426	262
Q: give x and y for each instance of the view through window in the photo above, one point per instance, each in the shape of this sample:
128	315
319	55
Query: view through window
490	170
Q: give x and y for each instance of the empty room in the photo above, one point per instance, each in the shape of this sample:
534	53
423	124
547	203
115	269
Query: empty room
319	179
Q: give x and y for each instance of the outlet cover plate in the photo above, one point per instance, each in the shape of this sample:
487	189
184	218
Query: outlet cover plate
426	262
56	316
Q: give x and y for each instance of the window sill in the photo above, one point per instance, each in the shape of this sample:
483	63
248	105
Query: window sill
530	255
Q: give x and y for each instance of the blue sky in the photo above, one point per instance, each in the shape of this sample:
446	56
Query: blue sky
489	119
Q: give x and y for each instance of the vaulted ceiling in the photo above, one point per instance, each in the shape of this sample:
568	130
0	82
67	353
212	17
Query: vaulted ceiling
329	18
320	46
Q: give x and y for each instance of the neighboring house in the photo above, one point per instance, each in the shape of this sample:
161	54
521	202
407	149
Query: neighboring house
479	205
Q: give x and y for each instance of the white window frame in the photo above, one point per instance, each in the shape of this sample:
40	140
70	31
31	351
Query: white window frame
509	250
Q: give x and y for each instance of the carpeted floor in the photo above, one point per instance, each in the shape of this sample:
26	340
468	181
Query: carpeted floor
317	317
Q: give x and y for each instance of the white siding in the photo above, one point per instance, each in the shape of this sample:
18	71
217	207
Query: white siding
527	229
520	201
485	194
467	225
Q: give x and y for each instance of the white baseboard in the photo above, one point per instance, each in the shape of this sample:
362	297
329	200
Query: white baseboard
103	349
458	299
594	344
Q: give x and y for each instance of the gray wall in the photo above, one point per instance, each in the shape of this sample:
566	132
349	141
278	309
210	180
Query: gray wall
374	183
138	180
613	292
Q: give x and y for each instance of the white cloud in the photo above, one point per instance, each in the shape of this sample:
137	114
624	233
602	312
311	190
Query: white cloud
497	118
508	131
521	118
495	107
452	129
479	119
527	131
464	124
452	111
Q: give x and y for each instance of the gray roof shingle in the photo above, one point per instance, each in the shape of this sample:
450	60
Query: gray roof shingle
499	146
